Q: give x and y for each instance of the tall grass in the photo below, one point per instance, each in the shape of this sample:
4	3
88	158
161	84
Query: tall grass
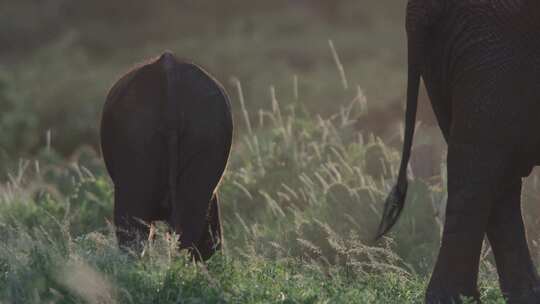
317	184
300	202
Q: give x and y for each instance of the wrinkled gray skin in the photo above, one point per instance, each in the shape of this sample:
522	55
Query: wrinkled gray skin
166	134
480	60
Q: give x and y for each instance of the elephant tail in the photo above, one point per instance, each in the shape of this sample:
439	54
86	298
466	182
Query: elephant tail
396	199
173	118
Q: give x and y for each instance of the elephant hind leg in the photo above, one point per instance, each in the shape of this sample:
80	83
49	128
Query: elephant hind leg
136	207
211	240
506	233
195	212
476	172
131	233
131	229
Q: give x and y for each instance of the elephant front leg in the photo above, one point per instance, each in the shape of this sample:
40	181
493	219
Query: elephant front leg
475	172
506	233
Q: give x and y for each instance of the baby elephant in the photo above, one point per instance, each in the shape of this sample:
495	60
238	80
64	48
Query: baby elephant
166	134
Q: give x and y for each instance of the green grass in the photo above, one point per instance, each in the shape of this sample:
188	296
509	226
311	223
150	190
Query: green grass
299	208
90	268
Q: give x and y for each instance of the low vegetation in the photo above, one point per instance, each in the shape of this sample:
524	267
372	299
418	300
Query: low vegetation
300	207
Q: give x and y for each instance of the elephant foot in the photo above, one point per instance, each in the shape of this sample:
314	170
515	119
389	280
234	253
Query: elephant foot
447	298
524	296
441	294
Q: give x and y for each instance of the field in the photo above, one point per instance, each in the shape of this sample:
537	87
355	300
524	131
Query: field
299	214
304	189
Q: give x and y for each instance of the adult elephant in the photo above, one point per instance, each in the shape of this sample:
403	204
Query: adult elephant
166	134
480	61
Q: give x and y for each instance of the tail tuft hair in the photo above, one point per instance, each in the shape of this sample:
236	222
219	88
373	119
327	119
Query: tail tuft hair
392	208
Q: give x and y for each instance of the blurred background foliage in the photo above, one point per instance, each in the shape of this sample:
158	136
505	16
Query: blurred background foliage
58	58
